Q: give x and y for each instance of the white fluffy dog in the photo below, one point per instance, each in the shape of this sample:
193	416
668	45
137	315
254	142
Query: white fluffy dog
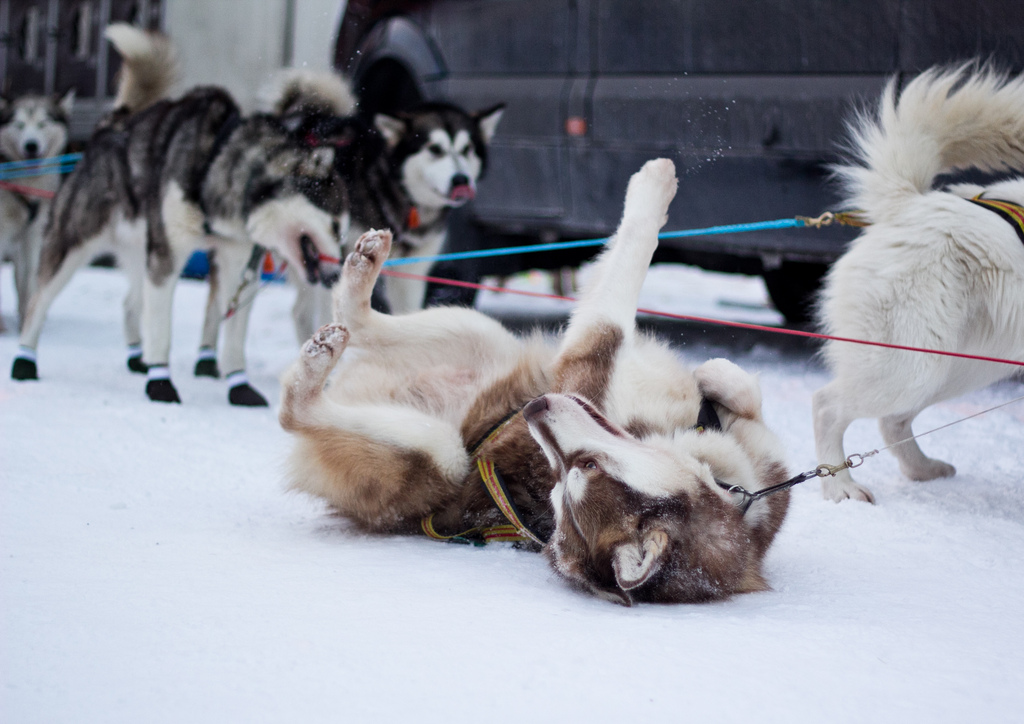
935	268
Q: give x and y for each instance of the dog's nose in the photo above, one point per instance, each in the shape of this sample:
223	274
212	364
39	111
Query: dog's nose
31	149
460	179
535	407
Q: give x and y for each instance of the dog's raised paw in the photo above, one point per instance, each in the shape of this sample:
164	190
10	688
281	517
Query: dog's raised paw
329	341
651	190
372	247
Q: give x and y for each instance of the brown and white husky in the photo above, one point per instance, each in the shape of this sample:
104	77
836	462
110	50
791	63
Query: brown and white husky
593	435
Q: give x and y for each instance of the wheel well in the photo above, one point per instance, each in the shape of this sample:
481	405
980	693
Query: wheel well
387	87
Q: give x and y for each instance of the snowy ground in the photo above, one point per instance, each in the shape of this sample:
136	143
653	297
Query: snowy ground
152	569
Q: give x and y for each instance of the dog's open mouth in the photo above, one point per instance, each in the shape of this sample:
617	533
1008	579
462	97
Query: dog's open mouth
319	268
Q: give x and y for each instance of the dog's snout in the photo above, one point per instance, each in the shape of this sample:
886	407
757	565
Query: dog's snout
535	407
31	149
460	179
329	277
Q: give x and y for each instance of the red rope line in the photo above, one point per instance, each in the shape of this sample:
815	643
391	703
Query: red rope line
26	190
709	320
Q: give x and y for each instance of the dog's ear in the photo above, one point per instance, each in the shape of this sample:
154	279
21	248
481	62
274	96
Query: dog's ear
393	129
66	102
634	563
487	120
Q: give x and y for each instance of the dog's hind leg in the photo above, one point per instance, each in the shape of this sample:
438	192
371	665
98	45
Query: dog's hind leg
605	316
53	281
133	261
384	465
830	423
913	462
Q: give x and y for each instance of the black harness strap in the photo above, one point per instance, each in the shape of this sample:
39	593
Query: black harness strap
1010	212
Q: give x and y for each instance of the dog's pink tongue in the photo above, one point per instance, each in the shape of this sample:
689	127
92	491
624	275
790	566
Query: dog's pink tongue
463	192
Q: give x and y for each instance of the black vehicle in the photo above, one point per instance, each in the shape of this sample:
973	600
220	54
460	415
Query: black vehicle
748	99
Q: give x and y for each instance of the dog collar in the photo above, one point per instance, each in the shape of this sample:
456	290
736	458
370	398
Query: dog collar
1010	212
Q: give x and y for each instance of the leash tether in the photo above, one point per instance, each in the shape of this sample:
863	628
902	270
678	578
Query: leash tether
853	461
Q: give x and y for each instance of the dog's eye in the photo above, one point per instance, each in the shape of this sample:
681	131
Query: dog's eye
588	464
435	149
465	151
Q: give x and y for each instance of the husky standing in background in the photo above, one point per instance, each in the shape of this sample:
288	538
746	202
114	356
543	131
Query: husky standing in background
316	105
31	127
937	268
403	172
597	439
437	153
161	178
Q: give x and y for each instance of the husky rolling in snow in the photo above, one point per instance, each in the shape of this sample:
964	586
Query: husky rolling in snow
937	268
161	178
593	434
31	127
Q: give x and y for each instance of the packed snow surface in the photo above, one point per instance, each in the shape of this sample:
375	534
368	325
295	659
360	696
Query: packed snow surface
154	569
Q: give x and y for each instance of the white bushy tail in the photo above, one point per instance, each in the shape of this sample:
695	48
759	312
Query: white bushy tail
300	90
945	119
149	66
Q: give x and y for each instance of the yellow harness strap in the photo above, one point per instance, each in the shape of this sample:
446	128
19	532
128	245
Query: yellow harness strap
1012	213
517	531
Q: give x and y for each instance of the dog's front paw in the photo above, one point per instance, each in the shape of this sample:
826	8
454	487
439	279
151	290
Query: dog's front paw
842	487
651	190
371	250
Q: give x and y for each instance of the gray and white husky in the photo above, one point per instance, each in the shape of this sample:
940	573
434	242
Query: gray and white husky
594	435
31	127
161	178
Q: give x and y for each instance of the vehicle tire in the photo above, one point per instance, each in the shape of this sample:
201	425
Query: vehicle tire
793	287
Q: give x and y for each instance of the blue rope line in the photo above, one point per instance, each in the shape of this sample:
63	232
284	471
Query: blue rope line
39	166
534	248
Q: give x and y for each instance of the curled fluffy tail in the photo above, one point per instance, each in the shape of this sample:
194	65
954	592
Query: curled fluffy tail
944	120
149	66
299	90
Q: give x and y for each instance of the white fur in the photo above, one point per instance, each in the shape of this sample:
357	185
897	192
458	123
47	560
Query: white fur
149	65
279	224
933	271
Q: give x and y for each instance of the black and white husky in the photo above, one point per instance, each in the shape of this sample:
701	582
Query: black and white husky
594	435
31	127
937	268
412	169
161	178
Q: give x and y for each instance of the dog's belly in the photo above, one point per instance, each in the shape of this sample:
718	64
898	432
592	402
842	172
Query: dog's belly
445	391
